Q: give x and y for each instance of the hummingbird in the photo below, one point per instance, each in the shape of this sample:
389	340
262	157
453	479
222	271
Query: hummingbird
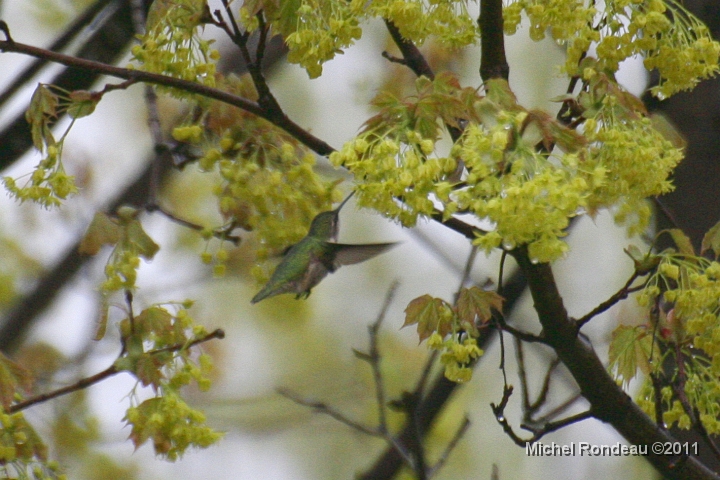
307	262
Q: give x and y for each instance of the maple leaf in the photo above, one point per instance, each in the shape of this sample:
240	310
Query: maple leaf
477	303
430	314
630	349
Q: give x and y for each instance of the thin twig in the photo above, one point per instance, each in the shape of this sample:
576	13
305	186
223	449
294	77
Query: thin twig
220	233
278	119
554	426
522	335
538	433
545	389
325	409
555	411
466	271
502	351
450	447
621	294
108	372
375	357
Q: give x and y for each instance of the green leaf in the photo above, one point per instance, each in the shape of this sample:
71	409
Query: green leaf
499	91
682	241
12	378
145	245
142	429
102	231
711	241
477	303
102	320
430	314
83	103
43	106
630	349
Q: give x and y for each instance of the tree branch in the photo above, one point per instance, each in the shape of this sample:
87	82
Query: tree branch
608	401
108	372
621	294
493	63
278	119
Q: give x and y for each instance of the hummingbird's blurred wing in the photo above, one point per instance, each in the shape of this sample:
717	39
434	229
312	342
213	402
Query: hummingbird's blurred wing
343	254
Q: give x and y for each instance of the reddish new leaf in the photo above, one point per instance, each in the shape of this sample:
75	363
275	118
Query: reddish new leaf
148	369
477	303
155	320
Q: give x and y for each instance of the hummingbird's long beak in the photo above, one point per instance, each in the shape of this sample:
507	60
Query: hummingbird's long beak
345	201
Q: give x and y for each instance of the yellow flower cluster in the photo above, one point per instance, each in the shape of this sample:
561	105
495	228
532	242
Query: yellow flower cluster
693	286
391	169
633	159
446	20
690	288
22	452
171	424
679	46
172	45
268	181
48	183
528	196
457	355
316	31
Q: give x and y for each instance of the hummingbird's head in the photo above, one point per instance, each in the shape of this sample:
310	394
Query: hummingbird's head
325	225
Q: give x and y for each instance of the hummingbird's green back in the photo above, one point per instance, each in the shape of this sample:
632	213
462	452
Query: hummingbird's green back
296	270
312	258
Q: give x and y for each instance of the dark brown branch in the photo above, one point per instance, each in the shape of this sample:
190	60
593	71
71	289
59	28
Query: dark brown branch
538	433
70	33
105	42
278	119
465	229
412	57
415	61
608	402
493	63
